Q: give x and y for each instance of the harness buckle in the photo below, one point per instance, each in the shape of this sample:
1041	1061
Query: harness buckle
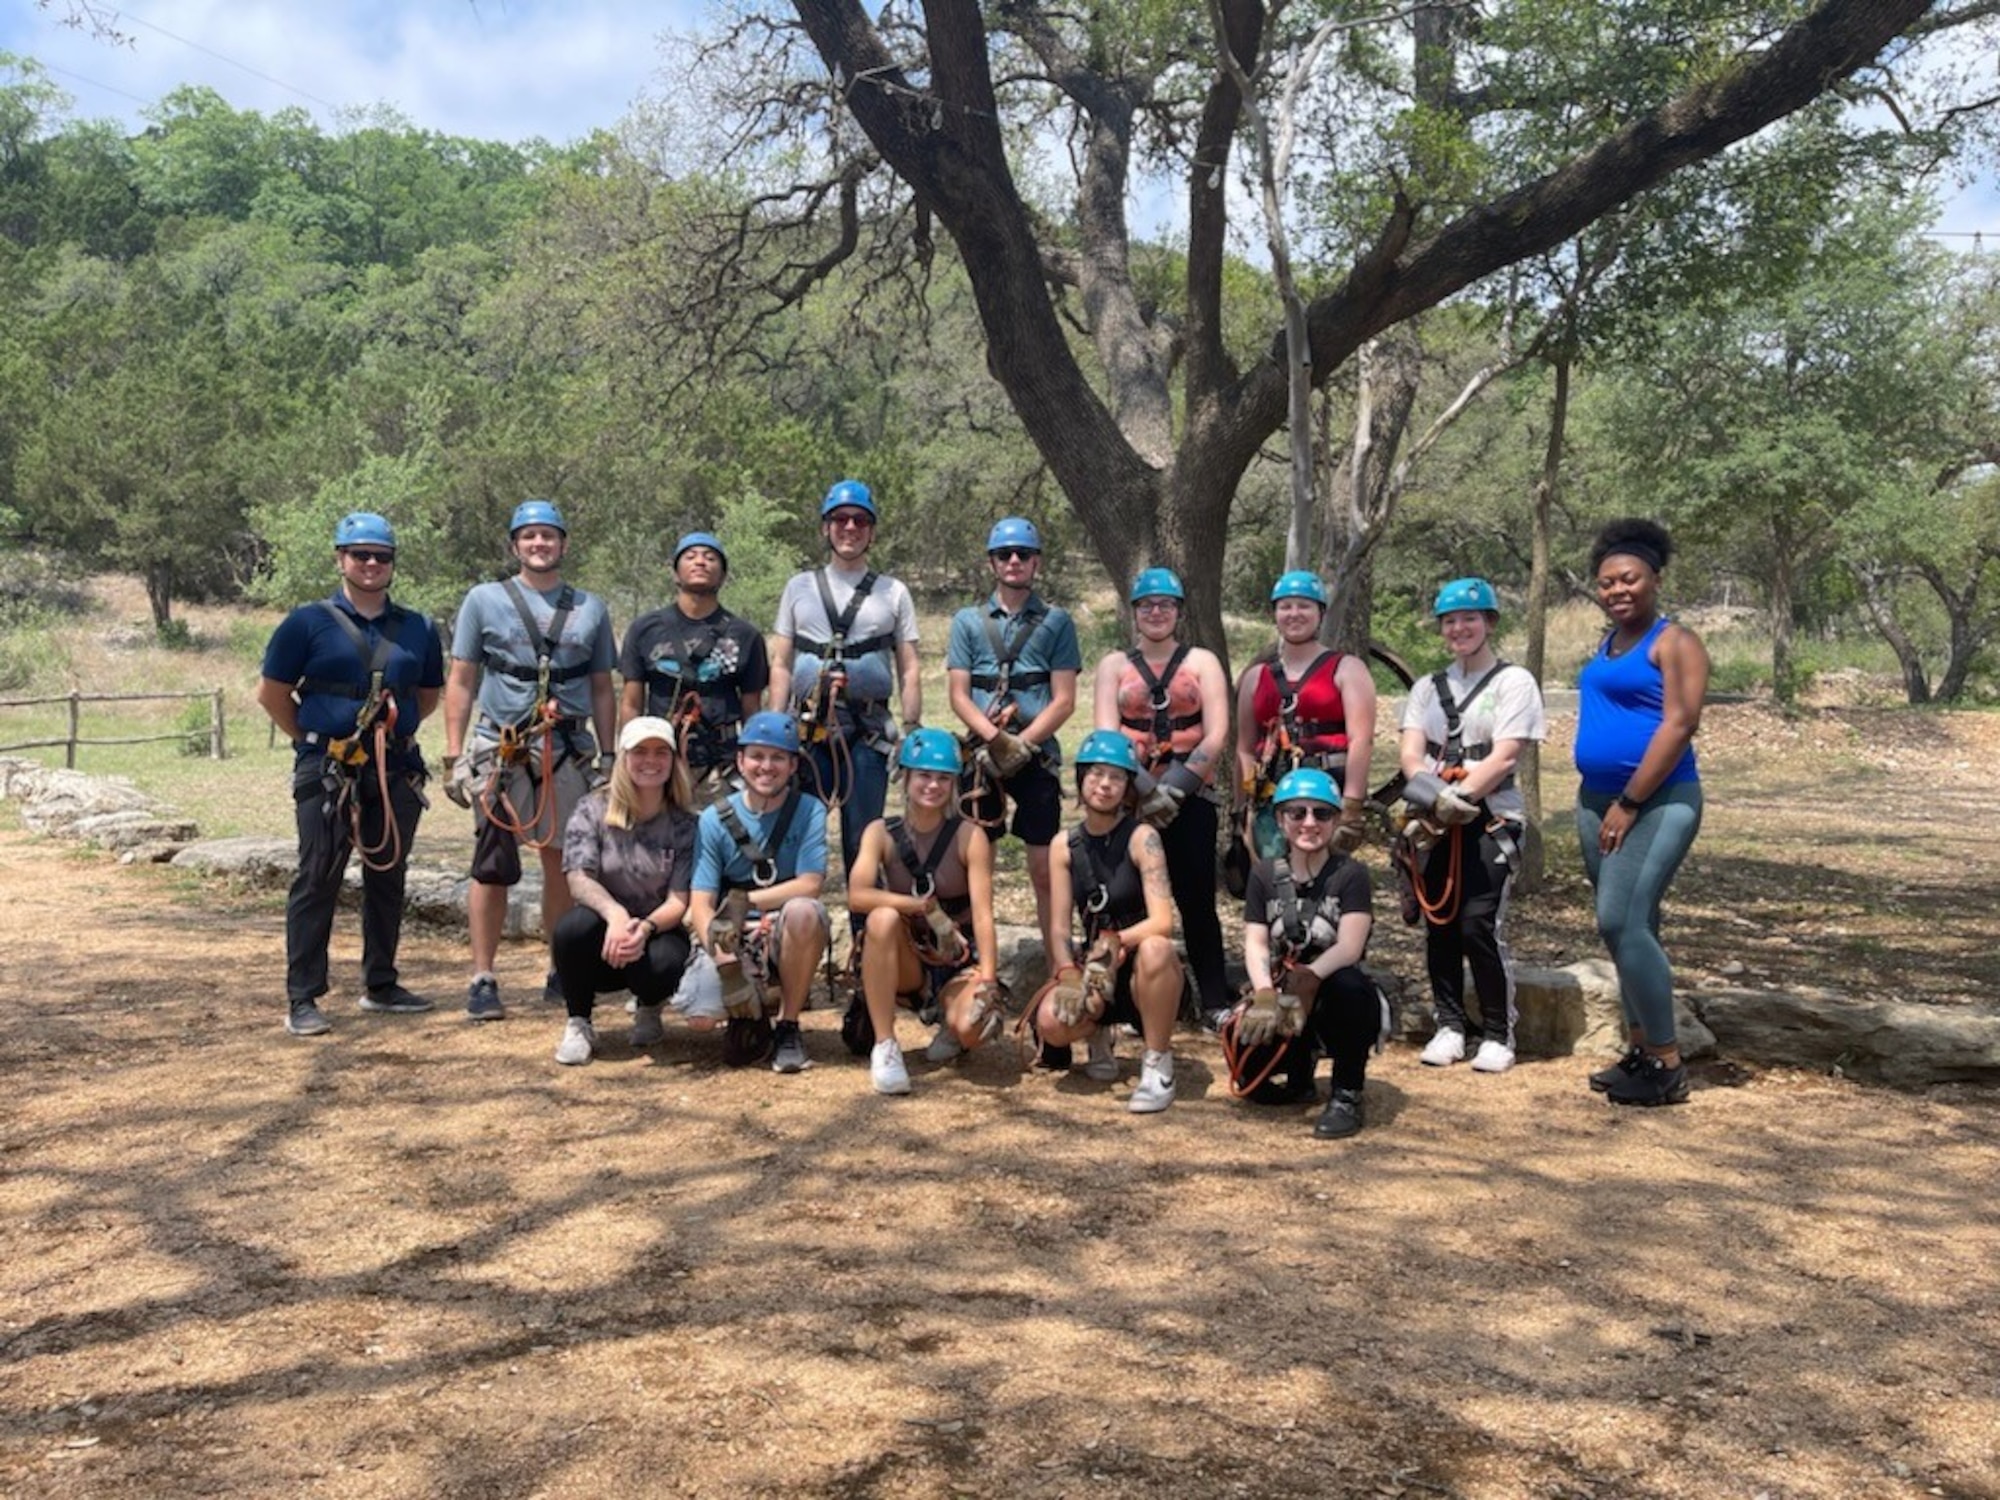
765	873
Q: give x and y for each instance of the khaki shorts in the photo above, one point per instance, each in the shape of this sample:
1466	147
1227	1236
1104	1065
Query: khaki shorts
496	851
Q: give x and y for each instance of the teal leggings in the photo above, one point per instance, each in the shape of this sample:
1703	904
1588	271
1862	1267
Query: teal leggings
1631	884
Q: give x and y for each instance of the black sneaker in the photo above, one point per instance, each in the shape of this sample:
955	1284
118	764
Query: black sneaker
1627	1065
1342	1116
1055	1059
1212	1020
306	1019
857	1028
482	1000
552	990
394	1000
790	1054
1651	1082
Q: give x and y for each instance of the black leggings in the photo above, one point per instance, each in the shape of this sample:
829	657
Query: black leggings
1189	844
1477	937
1346	1021
578	950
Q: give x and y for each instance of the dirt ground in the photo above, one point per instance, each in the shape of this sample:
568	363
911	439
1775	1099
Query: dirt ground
416	1258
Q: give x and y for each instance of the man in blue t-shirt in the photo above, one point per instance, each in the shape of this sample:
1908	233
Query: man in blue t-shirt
759	866
1012	665
534	655
347	680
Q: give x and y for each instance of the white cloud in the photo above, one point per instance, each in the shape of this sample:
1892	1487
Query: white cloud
494	69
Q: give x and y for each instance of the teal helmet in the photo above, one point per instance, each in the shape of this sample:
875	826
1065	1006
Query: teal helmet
1299	584
1014	532
1466	593
1106	747
1156	583
700	539
537	513
846	492
772	729
929	750
1307	784
363	528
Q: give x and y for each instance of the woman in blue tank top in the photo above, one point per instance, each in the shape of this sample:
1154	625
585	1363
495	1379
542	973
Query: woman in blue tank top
1639	807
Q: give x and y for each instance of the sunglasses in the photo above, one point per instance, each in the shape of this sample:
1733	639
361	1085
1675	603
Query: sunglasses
1308	814
1012	554
370	555
850	518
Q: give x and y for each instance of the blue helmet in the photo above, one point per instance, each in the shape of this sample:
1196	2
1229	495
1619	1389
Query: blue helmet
1466	593
847	492
700	539
1156	583
1013	532
1307	784
929	750
364	528
772	729
536	513
1106	747
1299	584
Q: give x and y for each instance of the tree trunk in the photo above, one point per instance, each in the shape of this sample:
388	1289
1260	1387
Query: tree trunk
1782	604
1529	769
160	593
1916	682
1360	501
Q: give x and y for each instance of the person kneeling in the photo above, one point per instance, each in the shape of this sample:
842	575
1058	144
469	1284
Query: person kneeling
1306	920
628	855
923	884
1112	872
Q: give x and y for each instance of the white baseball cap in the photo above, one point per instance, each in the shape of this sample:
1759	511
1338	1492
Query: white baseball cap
646	727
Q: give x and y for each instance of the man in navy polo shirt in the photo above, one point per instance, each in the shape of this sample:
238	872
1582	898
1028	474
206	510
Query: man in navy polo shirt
348	679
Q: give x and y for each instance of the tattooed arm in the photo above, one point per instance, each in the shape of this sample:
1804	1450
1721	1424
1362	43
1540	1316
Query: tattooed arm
1151	858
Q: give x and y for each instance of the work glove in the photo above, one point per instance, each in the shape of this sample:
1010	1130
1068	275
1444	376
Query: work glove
989	1009
1454	807
1066	1000
725	928
1100	969
458	781
1351	830
947	946
742	996
1009	753
1257	1025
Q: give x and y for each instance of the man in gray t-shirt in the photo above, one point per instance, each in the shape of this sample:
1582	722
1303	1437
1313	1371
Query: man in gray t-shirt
533	655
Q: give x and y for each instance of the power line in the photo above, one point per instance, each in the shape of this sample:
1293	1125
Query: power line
93	83
232	62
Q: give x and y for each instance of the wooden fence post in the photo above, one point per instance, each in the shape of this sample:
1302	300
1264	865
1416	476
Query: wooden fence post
217	750
69	747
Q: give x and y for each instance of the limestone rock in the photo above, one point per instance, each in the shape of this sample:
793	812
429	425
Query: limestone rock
256	860
1882	1041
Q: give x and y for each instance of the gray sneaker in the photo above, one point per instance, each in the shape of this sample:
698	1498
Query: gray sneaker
578	1044
393	999
306	1019
944	1047
790	1056
1103	1063
482	1000
646	1028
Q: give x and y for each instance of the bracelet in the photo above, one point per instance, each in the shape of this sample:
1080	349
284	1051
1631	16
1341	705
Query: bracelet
652	927
1625	801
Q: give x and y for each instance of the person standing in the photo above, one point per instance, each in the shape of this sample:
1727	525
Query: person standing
760	865
844	645
628	857
1012	665
348	680
1640	804
1464	729
1303	705
696	665
534	655
1171	700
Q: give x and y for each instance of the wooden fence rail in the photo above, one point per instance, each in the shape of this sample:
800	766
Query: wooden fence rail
217	742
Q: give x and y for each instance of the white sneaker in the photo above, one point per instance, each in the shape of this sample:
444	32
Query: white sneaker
1156	1084
945	1046
1444	1049
1493	1057
1103	1064
885	1066
578	1044
646	1028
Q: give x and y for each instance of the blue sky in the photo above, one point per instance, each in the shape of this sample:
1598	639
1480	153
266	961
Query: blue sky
496	69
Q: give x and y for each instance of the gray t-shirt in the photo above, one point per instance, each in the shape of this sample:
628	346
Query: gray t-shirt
1507	708
888	614
490	630
641	865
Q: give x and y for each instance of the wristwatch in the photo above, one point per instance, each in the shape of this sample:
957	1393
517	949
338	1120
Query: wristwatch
1626	802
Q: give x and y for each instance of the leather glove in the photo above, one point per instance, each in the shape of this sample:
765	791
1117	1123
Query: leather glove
742	996
1454	807
947	943
725	928
1160	806
1100	969
458	779
1258	1024
989	1009
1066	999
1009	753
1351	830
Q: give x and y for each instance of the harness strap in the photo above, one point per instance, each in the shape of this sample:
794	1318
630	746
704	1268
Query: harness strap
840	621
545	642
1007	648
1454	752
1295	918
1094	903
1288	698
375	660
923	868
762	857
1163	724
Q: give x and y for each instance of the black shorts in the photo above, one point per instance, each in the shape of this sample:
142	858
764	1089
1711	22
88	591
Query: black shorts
1037	797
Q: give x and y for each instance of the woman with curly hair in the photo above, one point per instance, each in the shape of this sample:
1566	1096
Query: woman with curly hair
1640	804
